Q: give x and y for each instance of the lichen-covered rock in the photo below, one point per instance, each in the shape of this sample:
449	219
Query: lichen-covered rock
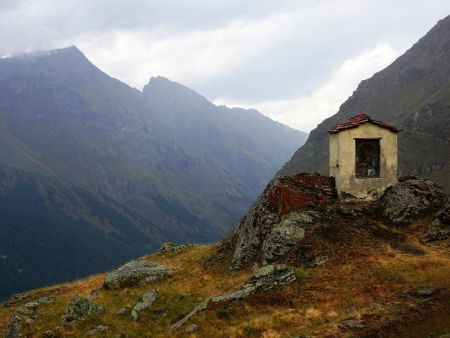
24	314
136	273
144	302
81	308
281	240
410	199
301	192
303	196
267	277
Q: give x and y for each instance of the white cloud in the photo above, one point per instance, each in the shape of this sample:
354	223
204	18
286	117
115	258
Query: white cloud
305	112
284	57
192	57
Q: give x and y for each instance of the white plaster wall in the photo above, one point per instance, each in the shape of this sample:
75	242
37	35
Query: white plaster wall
343	157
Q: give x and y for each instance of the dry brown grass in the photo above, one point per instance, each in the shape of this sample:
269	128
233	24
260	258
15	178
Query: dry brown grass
373	287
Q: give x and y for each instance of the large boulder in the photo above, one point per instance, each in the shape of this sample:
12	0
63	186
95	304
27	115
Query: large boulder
134	273
143	303
304	195
410	199
81	308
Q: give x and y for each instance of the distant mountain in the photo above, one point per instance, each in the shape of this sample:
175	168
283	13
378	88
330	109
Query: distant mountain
413	94
96	172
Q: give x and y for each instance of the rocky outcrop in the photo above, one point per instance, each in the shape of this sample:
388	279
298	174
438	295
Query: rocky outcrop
134	273
81	308
267	277
168	247
276	220
410	199
24	315
144	302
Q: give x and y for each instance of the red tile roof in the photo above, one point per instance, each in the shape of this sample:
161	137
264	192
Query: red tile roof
358	120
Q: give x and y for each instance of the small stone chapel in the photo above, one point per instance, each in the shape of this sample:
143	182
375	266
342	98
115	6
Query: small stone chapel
363	156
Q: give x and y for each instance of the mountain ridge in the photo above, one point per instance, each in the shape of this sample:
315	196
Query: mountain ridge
177	169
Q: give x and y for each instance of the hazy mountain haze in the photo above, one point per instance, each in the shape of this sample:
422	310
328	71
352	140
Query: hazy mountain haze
85	156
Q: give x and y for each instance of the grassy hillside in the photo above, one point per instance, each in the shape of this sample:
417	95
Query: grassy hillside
369	278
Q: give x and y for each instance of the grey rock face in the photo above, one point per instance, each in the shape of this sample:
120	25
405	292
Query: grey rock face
281	240
251	231
288	200
96	330
136	273
267	277
410	199
81	308
24	314
144	302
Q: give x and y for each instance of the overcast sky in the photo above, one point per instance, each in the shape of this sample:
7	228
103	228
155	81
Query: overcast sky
295	61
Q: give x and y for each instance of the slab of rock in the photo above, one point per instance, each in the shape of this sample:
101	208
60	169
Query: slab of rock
97	329
24	314
124	310
410	199
81	308
423	293
134	273
353	324
267	277
144	302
